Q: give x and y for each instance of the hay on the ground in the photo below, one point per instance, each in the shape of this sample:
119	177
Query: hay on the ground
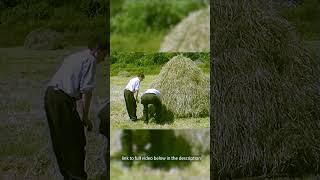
265	104
184	88
190	35
44	39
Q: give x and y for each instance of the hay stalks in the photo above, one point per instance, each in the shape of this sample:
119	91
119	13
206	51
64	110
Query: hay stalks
184	88
265	99
191	35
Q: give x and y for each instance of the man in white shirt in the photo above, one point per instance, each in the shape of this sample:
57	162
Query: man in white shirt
74	81
151	97
131	93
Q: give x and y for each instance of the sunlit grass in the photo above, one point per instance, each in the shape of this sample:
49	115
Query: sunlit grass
136	42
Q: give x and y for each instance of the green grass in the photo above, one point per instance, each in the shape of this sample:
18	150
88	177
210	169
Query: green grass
199	170
131	69
137	42
119	117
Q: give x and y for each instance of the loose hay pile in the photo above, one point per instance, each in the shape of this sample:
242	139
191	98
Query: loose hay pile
190	35
44	39
265	104
184	88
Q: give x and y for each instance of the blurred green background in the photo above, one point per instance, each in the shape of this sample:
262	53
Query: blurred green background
136	25
140	25
76	19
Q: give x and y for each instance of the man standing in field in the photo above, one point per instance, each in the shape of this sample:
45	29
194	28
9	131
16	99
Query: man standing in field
131	93
151	97
74	81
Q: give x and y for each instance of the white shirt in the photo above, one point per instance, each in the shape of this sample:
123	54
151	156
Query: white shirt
152	91
133	85
76	75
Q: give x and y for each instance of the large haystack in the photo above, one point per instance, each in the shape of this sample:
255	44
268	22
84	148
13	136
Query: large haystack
184	88
190	35
265	104
43	39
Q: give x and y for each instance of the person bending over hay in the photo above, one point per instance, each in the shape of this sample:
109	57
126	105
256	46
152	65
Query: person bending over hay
151	97
74	81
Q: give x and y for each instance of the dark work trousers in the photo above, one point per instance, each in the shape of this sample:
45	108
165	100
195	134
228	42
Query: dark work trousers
131	104
67	133
127	146
104	116
150	98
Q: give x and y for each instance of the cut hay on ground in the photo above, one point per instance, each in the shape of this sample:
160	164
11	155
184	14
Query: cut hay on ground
265	103
190	35
184	88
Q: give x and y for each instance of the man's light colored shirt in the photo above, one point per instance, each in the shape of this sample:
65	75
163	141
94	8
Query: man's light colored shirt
76	75
152	91
133	85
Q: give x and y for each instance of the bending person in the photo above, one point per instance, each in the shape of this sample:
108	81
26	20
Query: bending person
151	97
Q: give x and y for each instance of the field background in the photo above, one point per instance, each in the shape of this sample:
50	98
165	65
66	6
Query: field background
141	25
77	20
125	66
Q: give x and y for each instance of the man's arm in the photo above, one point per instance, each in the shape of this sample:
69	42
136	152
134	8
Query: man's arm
86	88
86	99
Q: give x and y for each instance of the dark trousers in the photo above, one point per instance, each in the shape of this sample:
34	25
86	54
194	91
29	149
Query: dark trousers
127	145
67	133
146	100
104	116
131	104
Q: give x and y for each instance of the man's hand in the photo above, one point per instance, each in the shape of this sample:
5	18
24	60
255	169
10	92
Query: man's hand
87	123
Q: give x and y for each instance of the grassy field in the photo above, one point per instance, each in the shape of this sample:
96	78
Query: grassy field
26	151
119	117
135	42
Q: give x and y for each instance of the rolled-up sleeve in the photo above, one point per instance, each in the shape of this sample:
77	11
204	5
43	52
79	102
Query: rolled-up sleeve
87	82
